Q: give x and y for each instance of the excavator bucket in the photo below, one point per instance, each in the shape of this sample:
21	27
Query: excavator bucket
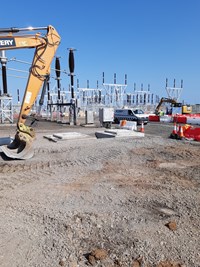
20	148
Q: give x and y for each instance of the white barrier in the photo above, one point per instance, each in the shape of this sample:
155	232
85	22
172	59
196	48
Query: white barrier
165	118
193	120
129	125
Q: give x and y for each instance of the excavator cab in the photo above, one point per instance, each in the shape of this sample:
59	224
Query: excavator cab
45	48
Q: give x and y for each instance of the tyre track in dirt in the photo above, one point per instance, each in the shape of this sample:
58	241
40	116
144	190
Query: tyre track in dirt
48	162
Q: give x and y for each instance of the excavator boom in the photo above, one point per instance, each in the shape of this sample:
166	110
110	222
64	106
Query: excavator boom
164	100
45	49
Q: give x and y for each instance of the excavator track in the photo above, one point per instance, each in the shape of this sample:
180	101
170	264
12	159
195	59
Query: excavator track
21	147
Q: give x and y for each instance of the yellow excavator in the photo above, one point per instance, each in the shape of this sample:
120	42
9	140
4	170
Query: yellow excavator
45	45
186	109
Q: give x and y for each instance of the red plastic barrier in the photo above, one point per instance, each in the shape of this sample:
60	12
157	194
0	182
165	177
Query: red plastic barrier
154	118
197	138
180	119
193	133
194	115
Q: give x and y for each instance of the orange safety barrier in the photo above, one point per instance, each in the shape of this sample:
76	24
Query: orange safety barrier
192	133
180	119
154	118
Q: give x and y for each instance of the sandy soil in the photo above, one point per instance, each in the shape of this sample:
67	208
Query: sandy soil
101	202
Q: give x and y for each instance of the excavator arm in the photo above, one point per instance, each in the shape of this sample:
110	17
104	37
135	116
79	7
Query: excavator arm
45	49
164	100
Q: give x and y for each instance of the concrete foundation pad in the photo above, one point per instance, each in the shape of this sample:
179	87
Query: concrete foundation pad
117	133
70	135
88	125
125	132
66	136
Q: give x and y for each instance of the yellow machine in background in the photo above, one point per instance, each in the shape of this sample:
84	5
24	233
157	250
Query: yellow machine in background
45	49
185	109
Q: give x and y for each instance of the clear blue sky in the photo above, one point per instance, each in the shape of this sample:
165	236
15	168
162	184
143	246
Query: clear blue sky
149	40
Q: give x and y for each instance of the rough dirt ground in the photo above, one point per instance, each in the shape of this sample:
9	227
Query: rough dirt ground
116	195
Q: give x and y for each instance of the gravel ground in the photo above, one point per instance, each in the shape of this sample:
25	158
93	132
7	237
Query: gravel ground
101	202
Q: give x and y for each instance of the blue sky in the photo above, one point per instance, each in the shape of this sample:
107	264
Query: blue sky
149	40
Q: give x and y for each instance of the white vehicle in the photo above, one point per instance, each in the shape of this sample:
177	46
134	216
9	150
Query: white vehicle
140	113
129	115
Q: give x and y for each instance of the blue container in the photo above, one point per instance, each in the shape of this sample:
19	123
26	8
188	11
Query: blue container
176	110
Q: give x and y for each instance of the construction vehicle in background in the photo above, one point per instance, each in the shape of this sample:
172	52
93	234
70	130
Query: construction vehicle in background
45	46
185	109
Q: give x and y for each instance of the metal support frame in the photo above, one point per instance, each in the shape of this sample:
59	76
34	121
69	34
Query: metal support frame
142	98
6	109
174	92
90	96
115	94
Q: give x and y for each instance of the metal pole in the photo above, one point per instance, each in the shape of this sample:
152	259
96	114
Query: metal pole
48	98
71	69
125	79
15	30
18	99
115	79
4	76
43	92
57	68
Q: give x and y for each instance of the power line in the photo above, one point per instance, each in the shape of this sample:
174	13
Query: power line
25	62
26	71
16	76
